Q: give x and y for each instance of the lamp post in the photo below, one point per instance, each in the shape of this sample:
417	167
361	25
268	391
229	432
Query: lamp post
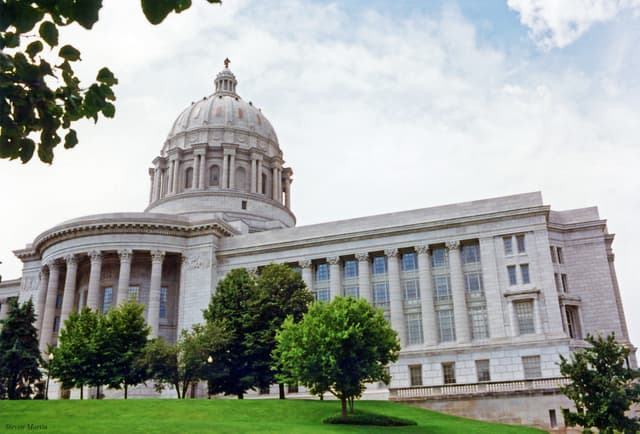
46	388
209	361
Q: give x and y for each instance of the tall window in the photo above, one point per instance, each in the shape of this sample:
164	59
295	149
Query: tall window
107	299
479	322
446	327
414	329
380	294
379	265
521	244
449	372
321	287
58	301
415	375
188	178
442	290
473	283
508	245
322	272
409	262
411	291
56	323
531	367
556	278
560	256
524	272
524	317
351	291
553	254
483	371
565	283
163	302
264	184
439	257
133	293
513	278
350	269
241	179
214	176
573	322
470	253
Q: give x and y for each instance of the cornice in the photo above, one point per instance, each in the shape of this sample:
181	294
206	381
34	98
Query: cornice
575	227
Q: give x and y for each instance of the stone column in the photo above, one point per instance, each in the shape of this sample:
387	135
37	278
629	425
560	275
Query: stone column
68	297
171	176
4	309
50	307
223	181
254	165
156	183
176	176
429	323
395	294
364	282
93	296
203	171
335	286
232	171
287	192
537	320
42	298
259	175
195	179
153	310
161	188
126	257
307	273
458	294
274	183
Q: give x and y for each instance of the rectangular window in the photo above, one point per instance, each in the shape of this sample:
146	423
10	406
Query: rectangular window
323	294
411	291
553	420
380	294
415	375
483	371
414	329
56	323
524	317
379	265
560	256
553	254
446	328
350	269
513	279
470	253
108	298
508	245
351	291
524	272
565	283
531	367
133	293
556	278
479	322
439	257
163	302
441	289
473	283
449	373
409	262
58	301
573	323
520	243
322	272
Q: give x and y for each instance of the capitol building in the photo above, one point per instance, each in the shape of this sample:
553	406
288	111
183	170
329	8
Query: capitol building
485	295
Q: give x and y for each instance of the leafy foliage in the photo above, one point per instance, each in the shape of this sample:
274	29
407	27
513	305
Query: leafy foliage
337	347
364	418
39	100
602	388
19	353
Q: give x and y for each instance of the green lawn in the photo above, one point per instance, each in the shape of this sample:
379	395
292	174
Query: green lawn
222	416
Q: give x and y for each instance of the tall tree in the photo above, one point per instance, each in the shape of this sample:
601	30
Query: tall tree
602	386
29	104
19	353
337	347
283	293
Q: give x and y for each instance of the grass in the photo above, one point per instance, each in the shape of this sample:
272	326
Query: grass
224	416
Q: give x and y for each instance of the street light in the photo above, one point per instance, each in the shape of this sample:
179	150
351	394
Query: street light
46	389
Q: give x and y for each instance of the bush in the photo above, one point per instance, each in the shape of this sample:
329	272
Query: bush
363	418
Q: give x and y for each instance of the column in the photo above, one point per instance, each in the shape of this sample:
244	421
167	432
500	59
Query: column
491	285
223	181
176	176
123	278
68	297
161	188
195	179
395	294
49	307
259	175
307	273
93	296
364	282
335	284
4	309
152	190
42	298
429	323
274	183
254	164
458	295
537	320
203	171
287	192
156	184
153	310
232	171
171	175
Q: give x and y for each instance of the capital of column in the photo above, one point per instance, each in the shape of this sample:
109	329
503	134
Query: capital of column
125	255
304	263
95	255
453	245
253	270
362	256
333	260
229	149
422	248
71	259
52	263
44	272
157	255
392	252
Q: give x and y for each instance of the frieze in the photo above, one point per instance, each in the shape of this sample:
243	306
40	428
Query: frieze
196	261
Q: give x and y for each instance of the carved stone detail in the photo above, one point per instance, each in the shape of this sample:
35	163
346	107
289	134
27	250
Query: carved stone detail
392	252
304	263
253	270
71	259
125	255
362	256
333	260
195	262
95	255
423	248
157	255
453	245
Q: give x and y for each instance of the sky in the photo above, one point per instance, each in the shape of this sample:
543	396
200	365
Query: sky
379	106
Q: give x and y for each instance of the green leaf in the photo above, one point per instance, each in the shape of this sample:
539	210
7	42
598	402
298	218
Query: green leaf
69	53
26	16
70	140
157	10
86	12
106	76
27	146
109	110
34	48
49	32
10	40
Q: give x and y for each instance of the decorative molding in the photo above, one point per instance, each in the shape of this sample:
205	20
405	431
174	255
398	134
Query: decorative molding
362	256
126	255
95	255
422	249
453	245
71	259
305	263
253	270
157	256
391	252
195	262
333	260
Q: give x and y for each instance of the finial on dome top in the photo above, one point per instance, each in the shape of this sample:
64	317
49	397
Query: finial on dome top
225	81
227	62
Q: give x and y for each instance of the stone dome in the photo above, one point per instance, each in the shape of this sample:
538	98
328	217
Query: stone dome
223	117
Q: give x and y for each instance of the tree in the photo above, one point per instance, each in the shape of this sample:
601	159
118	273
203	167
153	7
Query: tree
185	363
283	293
337	347
602	386
78	352
33	101
19	353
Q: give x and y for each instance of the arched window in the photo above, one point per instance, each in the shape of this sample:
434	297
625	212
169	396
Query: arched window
241	179
188	178
214	176
264	184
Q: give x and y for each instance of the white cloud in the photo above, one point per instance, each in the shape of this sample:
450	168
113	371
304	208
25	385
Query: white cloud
558	23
